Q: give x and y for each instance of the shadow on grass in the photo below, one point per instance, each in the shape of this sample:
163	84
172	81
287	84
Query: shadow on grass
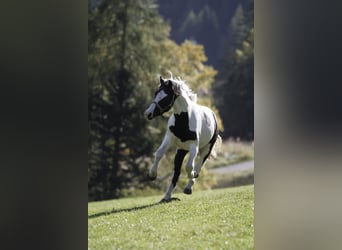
114	211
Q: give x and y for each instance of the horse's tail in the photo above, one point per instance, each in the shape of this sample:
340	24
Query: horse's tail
217	140
216	148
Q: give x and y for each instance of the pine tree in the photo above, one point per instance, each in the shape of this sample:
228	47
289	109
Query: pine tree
122	36
234	91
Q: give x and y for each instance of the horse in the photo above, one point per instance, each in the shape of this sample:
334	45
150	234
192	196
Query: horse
191	128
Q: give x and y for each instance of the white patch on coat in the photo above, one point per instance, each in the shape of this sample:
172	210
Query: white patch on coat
160	96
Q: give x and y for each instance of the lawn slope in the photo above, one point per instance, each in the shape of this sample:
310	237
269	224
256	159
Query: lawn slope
217	219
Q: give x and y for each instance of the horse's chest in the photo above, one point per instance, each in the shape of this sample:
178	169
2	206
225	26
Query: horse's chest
181	128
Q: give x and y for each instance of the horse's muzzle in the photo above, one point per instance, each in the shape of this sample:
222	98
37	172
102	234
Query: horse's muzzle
148	114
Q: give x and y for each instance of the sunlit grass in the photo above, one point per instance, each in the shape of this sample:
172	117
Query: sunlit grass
216	219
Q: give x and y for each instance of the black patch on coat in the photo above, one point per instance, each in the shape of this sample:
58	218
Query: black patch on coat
178	164
181	127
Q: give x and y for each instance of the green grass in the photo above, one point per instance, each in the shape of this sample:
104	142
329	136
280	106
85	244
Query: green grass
216	219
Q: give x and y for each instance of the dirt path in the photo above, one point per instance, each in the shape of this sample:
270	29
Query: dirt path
247	165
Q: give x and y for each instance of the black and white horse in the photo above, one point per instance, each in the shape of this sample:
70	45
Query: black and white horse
192	128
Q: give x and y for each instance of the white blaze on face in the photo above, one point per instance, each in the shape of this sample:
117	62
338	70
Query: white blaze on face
161	95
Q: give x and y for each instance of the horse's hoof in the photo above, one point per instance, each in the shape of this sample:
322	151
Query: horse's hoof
175	199
169	200
187	191
164	200
151	178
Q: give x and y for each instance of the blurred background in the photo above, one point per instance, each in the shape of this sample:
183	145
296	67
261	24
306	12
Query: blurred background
44	124
209	44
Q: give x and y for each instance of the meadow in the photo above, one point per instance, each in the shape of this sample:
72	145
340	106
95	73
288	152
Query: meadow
210	219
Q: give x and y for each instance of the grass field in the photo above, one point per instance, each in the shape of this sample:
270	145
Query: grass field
216	219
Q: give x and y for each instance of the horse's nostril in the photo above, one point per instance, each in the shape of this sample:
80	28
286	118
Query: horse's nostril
149	116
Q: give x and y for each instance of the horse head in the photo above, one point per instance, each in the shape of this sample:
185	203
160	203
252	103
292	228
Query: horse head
164	98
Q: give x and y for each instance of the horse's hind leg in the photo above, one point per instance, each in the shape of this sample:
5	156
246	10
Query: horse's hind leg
204	154
177	170
188	187
191	162
190	168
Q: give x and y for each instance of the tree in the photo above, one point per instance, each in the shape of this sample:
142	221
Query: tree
234	91
121	64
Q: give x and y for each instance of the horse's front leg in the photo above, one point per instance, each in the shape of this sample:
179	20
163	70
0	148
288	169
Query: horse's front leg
158	155
177	170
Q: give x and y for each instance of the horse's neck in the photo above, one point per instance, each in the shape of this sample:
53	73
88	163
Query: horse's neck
182	104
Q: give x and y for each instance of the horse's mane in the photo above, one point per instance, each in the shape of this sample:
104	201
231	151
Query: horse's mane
181	87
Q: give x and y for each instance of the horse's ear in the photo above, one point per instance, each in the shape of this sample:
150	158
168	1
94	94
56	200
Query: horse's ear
162	81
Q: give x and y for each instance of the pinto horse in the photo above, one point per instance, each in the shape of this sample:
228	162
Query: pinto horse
192	128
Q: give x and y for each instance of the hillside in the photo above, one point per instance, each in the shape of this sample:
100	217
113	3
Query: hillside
217	219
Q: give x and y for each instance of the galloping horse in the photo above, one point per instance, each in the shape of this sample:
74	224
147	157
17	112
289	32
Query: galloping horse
192	128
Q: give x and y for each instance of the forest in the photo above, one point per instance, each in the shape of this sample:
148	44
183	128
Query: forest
210	44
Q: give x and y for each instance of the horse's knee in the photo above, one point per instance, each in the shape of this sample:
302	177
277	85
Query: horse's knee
158	156
189	168
160	152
